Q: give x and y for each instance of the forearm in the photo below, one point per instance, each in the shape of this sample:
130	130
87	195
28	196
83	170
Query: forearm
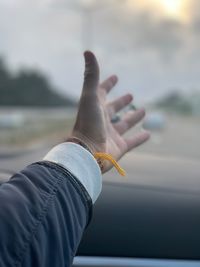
44	210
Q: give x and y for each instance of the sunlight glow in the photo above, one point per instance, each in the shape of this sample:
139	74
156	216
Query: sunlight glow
172	7
175	9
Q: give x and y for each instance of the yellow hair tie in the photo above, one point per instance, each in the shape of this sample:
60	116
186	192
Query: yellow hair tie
100	155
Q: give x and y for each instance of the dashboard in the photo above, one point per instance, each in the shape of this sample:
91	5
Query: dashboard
137	225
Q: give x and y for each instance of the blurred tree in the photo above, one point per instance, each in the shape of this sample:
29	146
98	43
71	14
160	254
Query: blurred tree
28	88
175	102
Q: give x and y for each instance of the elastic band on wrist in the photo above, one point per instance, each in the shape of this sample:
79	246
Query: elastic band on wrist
105	156
99	156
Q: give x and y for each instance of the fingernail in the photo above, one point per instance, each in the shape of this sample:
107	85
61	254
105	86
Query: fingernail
87	54
114	78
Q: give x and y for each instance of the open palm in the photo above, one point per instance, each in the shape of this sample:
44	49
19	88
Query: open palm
93	124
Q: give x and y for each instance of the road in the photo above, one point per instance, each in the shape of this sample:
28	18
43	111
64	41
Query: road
171	159
142	169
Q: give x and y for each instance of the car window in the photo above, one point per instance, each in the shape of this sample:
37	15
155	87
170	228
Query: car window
151	45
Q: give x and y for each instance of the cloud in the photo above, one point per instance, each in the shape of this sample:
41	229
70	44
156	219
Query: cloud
150	53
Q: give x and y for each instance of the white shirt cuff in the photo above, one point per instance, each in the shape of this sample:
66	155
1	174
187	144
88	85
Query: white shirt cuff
80	163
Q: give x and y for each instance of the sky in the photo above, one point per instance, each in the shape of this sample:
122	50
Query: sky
152	45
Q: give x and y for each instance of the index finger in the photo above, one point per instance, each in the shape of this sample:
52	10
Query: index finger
109	83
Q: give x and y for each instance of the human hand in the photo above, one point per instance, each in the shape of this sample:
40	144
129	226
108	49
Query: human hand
93	124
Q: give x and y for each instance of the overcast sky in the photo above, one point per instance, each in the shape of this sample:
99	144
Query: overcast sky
150	47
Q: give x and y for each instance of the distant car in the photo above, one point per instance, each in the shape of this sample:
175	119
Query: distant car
9	121
154	121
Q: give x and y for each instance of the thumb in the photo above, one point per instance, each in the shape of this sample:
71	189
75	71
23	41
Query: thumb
91	75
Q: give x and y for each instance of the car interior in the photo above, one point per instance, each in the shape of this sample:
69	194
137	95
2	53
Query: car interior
150	217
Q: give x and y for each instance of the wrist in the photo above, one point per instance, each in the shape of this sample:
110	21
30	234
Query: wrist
78	141
92	144
104	160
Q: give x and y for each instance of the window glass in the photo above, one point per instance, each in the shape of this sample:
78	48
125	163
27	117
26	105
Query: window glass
153	47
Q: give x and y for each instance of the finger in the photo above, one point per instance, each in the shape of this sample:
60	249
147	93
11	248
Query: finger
109	83
91	75
137	140
129	120
118	104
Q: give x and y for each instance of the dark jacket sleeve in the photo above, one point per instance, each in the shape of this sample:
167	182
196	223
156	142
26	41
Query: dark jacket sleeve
43	212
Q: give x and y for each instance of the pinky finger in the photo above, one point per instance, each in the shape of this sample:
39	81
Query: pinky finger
137	140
